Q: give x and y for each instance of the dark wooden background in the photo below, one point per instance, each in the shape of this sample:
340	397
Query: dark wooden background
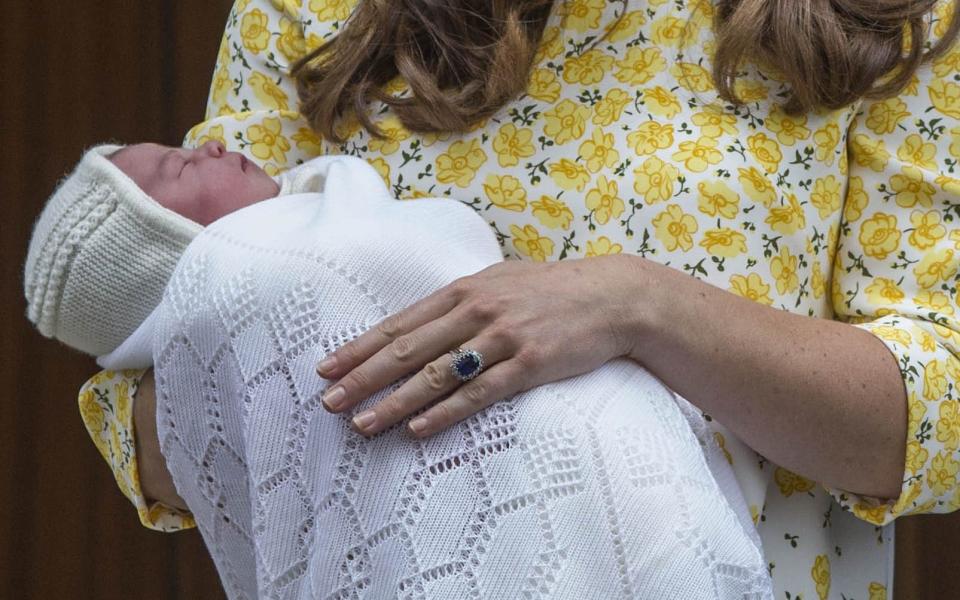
78	73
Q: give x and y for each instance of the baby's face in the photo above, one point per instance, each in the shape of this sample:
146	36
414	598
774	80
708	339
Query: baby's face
203	184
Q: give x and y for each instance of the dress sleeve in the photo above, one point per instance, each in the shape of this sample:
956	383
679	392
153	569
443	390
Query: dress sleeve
106	407
252	106
895	273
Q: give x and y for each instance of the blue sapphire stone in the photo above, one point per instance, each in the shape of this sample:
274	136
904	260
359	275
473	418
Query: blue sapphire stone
467	364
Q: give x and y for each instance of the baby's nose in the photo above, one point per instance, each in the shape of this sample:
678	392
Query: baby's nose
213	148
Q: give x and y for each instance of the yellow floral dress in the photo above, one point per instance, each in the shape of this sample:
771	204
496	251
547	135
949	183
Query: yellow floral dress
620	144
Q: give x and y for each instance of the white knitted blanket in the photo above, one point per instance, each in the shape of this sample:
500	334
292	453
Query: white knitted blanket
591	487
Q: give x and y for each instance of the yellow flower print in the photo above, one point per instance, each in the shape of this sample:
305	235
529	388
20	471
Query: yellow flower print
604	200
820	572
214	134
880	235
667	31
826	139
291	43
789	129
692	77
650	137
552	213
716	197
254	31
566	121
944	12
757	186
751	287
661	102
955	142
569	175
581	15
393	133
506	191
654	180
914	151
856	200
698	156
332	10
817	283
724	242
942	475
784	271
460	163
953	363
598	151
945	96
512	144
934	380
675	228
588	68
948	427
916	411
885	116
640	65
936	265
750	91
220	86
787	219
927	230
790	483
528	242
721	443
884	292
382	167
544	85
602	247
609	109
267	92
626	27
308	141
892	334
870	153
267	142
713	123
877	591
916	456
765	150
551	45
911	189
289	7
826	196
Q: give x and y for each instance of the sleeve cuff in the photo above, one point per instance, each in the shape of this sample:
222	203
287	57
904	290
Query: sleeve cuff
106	407
931	373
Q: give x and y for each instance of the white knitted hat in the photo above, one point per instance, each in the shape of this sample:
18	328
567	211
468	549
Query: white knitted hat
100	256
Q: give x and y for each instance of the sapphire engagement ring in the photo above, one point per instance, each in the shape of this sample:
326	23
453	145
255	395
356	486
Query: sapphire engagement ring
466	364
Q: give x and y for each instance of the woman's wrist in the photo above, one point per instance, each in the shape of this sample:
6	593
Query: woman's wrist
155	480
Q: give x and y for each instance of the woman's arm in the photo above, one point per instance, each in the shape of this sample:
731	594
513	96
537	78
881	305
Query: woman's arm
820	397
155	479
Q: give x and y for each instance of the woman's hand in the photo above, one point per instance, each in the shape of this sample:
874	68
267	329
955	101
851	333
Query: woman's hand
155	480
534	323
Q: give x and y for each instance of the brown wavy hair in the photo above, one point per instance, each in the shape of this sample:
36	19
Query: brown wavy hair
464	59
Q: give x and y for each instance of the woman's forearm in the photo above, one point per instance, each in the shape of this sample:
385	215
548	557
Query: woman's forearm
819	397
155	480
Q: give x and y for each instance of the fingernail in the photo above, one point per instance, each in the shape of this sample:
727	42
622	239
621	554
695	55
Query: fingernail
365	419
327	364
334	398
418	425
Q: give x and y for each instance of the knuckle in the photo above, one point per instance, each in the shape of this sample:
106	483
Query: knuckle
500	336
528	358
391	326
435	377
480	309
402	348
357	381
441	414
476	394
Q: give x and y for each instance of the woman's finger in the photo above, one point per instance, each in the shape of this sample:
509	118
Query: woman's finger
402	355
502	380
434	381
388	329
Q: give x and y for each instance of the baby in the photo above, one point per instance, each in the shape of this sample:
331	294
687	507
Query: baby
594	486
